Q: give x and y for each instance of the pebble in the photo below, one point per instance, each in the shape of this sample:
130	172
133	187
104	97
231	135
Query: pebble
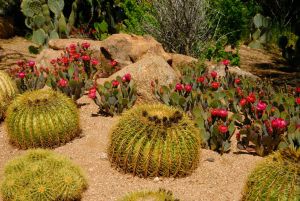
103	156
156	179
210	160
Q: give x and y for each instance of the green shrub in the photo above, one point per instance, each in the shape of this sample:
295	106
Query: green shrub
160	195
155	140
42	175
42	118
8	90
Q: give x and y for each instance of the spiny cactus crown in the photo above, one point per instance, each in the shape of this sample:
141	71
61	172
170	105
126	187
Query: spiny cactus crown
42	175
160	195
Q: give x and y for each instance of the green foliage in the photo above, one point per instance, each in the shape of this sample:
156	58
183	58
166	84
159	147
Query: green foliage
8	91
42	118
47	20
155	140
160	195
42	175
116	96
276	178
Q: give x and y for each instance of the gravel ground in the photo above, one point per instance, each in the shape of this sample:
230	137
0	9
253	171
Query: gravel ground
223	179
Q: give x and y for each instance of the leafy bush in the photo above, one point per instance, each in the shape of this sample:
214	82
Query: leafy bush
155	140
160	195
115	96
42	118
42	175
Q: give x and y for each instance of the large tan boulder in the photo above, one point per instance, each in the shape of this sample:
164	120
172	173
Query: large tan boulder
220	69
46	55
143	72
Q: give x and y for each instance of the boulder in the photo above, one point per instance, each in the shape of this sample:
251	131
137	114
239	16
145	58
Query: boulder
180	60
143	72
46	55
220	69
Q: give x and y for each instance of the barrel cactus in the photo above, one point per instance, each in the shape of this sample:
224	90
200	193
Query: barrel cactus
278	177
42	175
155	140
8	90
160	195
42	118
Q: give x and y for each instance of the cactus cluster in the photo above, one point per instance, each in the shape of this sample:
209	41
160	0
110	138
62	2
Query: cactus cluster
42	118
8	90
42	175
261	32
160	195
278	177
46	19
155	140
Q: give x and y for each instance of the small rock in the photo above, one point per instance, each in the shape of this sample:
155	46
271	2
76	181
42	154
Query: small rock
103	156
156	179
210	160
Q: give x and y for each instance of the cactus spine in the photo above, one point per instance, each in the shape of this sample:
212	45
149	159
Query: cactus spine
42	118
47	20
160	195
278	177
8	90
42	175
155	140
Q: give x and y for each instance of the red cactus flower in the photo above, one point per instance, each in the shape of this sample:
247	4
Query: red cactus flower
115	83
92	93
222	113
188	88
72	46
21	75
113	63
62	82
127	76
237	81
278	123
215	85
179	87
20	63
243	102
298	100
200	79
76	56
85	45
214	74
215	112
251	98
223	129
261	106
238	136
31	63
65	60
53	61
298	90
94	62
85	57
226	62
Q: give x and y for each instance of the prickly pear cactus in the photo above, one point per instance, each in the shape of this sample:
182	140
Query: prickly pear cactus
8	91
42	118
42	175
160	195
278	177
155	140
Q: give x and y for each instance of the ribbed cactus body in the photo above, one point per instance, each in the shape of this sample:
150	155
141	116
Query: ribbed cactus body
155	140
42	118
42	175
161	195
8	90
277	178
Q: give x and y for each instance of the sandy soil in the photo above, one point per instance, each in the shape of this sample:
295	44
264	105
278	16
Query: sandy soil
222	179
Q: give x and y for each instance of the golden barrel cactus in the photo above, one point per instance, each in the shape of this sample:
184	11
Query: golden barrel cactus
42	118
160	195
155	140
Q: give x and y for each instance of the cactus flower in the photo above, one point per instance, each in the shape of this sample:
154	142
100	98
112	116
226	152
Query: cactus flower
298	90
222	113
113	63
200	79
127	77
214	74
261	106
94	62
298	100
215	85
243	102
85	57
223	129
85	45
179	87
188	88
92	93
62	82
251	98
226	62
278	123
215	112
20	63
115	83
31	63
21	75
237	81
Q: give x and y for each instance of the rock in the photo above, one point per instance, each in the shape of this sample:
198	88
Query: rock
180	60
61	44
103	156
220	69
156	179
46	55
6	27
210	160
143	72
